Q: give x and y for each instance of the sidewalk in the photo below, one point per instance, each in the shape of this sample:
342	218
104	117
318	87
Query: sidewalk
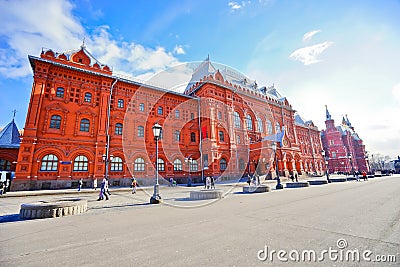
128	189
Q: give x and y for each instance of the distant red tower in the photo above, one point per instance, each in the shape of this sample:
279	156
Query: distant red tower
345	150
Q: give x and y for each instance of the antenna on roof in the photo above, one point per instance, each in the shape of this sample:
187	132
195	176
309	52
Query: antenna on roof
83	43
14	111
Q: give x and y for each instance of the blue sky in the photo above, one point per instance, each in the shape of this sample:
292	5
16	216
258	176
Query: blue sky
344	54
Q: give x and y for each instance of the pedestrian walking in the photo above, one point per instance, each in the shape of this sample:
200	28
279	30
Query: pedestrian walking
95	184
1	187
80	183
296	177
364	175
103	189
134	184
357	176
171	182
248	179
208	182
212	181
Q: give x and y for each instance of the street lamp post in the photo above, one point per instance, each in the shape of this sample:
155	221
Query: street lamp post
324	153
278	180
351	163
157	131
107	161
189	162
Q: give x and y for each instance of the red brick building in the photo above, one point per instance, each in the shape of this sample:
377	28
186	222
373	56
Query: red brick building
221	125
345	150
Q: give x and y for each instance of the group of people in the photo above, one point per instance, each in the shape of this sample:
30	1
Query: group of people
172	182
363	174
209	183
255	180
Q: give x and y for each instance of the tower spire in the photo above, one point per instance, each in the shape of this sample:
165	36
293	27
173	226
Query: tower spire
347	121
14	111
343	120
328	116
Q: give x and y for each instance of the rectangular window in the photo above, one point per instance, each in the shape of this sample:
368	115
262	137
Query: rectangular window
140	131
333	154
177	136
141	107
221	136
120	103
160	111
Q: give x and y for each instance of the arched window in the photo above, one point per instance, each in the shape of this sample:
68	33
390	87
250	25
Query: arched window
55	122
116	164
269	127
85	124
161	166
5	165
141	107
120	103
49	163
222	164
140	131
177	113
139	165
260	125
236	120
60	92
177	136
177	165
160	110
249	121
193	166
277	127
192	137
238	139
241	164
118	129
88	97
81	164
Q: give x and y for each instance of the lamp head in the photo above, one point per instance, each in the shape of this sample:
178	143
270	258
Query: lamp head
157	130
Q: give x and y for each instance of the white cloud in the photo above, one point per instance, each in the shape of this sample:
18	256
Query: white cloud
396	92
179	50
26	28
307	36
234	5
308	55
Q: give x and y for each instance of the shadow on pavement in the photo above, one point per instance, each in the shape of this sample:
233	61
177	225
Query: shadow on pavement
10	218
120	206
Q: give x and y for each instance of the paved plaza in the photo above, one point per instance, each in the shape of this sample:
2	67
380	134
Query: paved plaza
238	230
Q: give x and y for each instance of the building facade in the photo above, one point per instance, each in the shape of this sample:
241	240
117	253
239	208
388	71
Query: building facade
9	147
85	122
345	151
